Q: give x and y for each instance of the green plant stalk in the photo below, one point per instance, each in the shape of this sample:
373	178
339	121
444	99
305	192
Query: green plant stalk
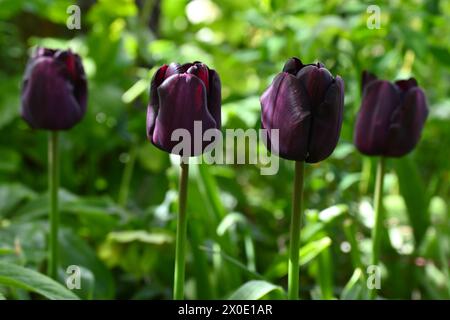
378	226
53	186
180	246
293	265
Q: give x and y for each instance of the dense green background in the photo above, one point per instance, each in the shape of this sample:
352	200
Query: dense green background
118	193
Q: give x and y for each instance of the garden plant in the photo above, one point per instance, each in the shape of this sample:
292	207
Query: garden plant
136	137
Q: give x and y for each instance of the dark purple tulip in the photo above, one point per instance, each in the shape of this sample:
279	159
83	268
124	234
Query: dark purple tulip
54	90
391	118
305	103
180	95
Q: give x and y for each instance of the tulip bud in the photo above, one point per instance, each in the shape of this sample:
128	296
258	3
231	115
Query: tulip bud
391	117
179	96
305	103
54	90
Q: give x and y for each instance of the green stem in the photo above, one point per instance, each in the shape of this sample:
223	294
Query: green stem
53	185
378	226
297	199
178	289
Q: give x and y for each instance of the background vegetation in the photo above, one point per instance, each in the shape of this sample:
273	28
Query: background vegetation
118	193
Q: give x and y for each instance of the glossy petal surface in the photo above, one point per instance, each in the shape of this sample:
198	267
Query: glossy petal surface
182	100
285	106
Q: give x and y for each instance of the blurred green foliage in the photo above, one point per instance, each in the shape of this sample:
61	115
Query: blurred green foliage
118	194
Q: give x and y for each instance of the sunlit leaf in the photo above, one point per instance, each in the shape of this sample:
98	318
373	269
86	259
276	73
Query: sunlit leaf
20	277
254	290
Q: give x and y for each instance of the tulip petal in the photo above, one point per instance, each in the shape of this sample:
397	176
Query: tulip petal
81	88
201	71
176	68
48	100
316	81
182	100
293	65
285	106
407	123
405	85
152	109
215	97
326	123
74	72
373	121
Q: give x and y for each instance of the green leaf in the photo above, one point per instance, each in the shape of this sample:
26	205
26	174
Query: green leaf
413	191
332	212
308	252
312	249
230	220
354	289
30	280
140	236
254	290
11	195
75	251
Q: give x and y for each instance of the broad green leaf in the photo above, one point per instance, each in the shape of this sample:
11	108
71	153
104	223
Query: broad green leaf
75	251
413	191
30	280
26	242
11	195
254	290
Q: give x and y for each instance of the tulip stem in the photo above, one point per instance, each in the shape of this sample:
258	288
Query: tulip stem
53	185
180	246
378	225
294	265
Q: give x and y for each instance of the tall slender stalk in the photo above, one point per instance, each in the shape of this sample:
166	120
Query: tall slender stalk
377	228
297	199
53	186
180	249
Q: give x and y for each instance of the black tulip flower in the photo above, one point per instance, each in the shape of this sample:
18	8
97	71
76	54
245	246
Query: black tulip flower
391	117
305	102
54	90
180	95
